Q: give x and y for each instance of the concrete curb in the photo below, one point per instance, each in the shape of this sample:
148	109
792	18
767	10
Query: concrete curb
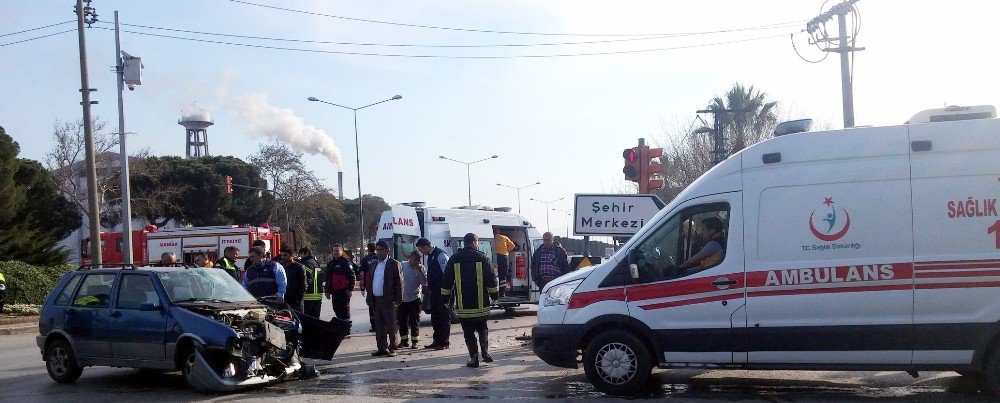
18	325
20	328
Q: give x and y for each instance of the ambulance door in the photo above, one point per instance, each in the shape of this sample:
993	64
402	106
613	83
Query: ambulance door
690	281
956	234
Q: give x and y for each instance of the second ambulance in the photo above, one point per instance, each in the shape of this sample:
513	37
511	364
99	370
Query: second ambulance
873	248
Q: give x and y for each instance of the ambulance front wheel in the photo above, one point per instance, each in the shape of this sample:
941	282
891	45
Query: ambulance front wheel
617	363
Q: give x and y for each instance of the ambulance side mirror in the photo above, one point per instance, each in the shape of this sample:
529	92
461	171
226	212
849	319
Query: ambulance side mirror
633	271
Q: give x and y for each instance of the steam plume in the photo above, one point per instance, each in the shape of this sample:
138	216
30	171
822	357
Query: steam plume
265	120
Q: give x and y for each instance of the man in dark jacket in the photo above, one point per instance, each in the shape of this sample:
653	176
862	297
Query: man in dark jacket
548	262
384	286
470	277
437	260
339	278
315	283
295	273
366	264
265	277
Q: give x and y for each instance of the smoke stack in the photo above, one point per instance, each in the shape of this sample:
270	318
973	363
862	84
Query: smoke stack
340	184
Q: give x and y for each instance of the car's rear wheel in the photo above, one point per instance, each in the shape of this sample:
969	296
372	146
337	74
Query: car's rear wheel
617	363
60	361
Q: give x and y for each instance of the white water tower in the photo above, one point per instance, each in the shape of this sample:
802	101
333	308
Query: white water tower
196	124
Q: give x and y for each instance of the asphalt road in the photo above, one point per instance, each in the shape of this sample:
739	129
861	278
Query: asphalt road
431	375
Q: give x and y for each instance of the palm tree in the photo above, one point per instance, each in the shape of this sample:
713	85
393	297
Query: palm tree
753	121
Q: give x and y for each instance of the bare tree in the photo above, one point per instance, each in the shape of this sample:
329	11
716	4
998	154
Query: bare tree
68	161
292	184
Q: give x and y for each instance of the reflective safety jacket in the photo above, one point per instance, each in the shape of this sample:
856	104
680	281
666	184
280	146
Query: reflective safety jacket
314	285
470	278
229	266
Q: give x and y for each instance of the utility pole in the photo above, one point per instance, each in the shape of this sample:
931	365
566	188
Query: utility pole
89	15
844	47
126	201
719	152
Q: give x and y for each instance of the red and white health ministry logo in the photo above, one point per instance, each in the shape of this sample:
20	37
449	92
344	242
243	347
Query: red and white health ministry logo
827	223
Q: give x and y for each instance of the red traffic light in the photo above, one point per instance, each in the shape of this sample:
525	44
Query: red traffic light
630	155
631	169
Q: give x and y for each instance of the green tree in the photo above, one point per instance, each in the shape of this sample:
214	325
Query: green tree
687	153
193	191
34	215
753	121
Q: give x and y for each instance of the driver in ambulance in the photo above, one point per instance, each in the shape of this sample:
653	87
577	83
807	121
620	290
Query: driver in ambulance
712	252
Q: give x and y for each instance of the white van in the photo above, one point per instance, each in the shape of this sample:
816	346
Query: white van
404	224
872	248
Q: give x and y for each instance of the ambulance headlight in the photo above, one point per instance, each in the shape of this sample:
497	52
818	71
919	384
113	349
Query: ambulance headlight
560	294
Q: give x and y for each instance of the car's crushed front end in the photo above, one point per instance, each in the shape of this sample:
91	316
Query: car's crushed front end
263	344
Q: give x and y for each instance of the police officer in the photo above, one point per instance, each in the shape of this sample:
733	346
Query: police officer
3	291
437	260
470	276
265	277
228	262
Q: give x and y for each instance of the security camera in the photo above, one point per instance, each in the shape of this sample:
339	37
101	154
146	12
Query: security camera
131	88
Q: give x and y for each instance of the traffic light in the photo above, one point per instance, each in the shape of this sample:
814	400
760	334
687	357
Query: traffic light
632	166
229	184
652	169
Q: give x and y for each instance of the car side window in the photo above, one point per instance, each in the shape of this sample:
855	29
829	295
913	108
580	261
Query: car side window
95	291
136	289
66	295
692	240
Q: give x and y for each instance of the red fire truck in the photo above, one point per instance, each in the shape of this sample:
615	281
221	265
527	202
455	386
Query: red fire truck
149	243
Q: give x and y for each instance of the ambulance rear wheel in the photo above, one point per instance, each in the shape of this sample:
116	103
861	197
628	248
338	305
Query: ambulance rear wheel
617	363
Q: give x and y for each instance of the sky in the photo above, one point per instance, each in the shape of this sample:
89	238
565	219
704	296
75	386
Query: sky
561	121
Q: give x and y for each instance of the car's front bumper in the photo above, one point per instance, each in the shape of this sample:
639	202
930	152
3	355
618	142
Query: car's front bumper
557	345
204	378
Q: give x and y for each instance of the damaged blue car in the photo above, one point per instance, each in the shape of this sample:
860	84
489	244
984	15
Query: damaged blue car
199	321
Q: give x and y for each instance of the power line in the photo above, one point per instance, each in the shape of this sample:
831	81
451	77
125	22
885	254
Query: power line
37	28
401	24
447	56
37	37
665	36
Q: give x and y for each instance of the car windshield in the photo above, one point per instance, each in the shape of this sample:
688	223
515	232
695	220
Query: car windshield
209	285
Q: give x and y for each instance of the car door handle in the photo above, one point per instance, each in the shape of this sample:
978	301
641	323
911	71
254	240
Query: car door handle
723	283
116	314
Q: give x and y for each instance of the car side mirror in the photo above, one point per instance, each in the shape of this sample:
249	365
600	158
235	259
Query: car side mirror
633	271
149	307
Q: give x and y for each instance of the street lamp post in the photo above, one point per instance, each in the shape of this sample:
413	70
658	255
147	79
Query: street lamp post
568	214
357	155
468	170
547	227
518	188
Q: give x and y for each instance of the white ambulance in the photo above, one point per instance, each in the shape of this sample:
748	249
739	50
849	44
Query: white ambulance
874	248
404	224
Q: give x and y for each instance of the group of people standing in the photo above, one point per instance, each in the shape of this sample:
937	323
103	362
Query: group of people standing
394	291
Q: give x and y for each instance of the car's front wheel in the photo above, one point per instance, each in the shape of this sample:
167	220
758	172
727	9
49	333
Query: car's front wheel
61	362
617	363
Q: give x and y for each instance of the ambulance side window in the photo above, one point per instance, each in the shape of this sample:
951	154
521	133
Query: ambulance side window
689	242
